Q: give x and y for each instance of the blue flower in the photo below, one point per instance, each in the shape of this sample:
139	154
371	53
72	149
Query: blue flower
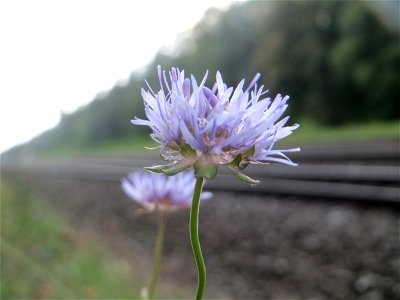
204	128
157	190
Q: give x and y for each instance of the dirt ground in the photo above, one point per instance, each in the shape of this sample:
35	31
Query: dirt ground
255	246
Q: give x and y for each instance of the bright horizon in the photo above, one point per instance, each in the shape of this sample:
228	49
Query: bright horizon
56	56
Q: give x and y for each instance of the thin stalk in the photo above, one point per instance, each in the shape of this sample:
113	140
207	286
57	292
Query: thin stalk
157	252
194	238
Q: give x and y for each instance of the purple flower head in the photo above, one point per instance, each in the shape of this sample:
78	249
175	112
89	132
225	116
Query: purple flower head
157	190
203	128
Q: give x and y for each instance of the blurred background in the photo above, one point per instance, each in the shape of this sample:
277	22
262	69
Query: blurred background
328	229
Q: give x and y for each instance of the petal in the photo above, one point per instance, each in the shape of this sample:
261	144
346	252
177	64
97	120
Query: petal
189	137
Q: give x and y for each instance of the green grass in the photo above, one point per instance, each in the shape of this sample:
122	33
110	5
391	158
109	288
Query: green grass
310	133
134	145
43	257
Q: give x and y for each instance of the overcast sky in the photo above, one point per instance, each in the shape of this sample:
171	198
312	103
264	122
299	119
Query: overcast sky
58	55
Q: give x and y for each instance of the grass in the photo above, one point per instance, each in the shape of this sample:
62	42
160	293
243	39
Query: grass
43	257
308	133
133	145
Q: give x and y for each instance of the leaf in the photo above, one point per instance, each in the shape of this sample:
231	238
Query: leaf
239	161
163	157
177	167
204	167
156	169
249	152
171	169
188	152
235	162
244	177
243	165
152	148
247	179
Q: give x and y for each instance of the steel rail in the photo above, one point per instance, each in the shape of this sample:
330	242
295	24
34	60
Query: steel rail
308	180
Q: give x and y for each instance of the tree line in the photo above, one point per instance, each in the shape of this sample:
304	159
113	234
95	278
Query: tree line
336	59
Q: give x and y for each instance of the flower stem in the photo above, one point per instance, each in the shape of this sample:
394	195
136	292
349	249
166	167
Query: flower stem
157	252
194	237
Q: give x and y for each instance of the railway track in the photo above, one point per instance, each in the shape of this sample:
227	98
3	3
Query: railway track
367	172
254	249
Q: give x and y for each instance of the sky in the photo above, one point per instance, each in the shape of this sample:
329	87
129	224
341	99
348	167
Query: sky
56	56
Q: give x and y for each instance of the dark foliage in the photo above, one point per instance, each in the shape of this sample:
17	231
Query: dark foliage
337	60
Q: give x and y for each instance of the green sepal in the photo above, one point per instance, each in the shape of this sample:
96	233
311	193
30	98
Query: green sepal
235	162
247	179
244	177
204	167
171	169
243	165
239	161
156	169
152	148
249	152
163	157
177	168
188	152
174	146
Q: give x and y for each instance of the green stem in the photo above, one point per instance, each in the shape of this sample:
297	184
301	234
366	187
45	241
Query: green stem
194	237
157	252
